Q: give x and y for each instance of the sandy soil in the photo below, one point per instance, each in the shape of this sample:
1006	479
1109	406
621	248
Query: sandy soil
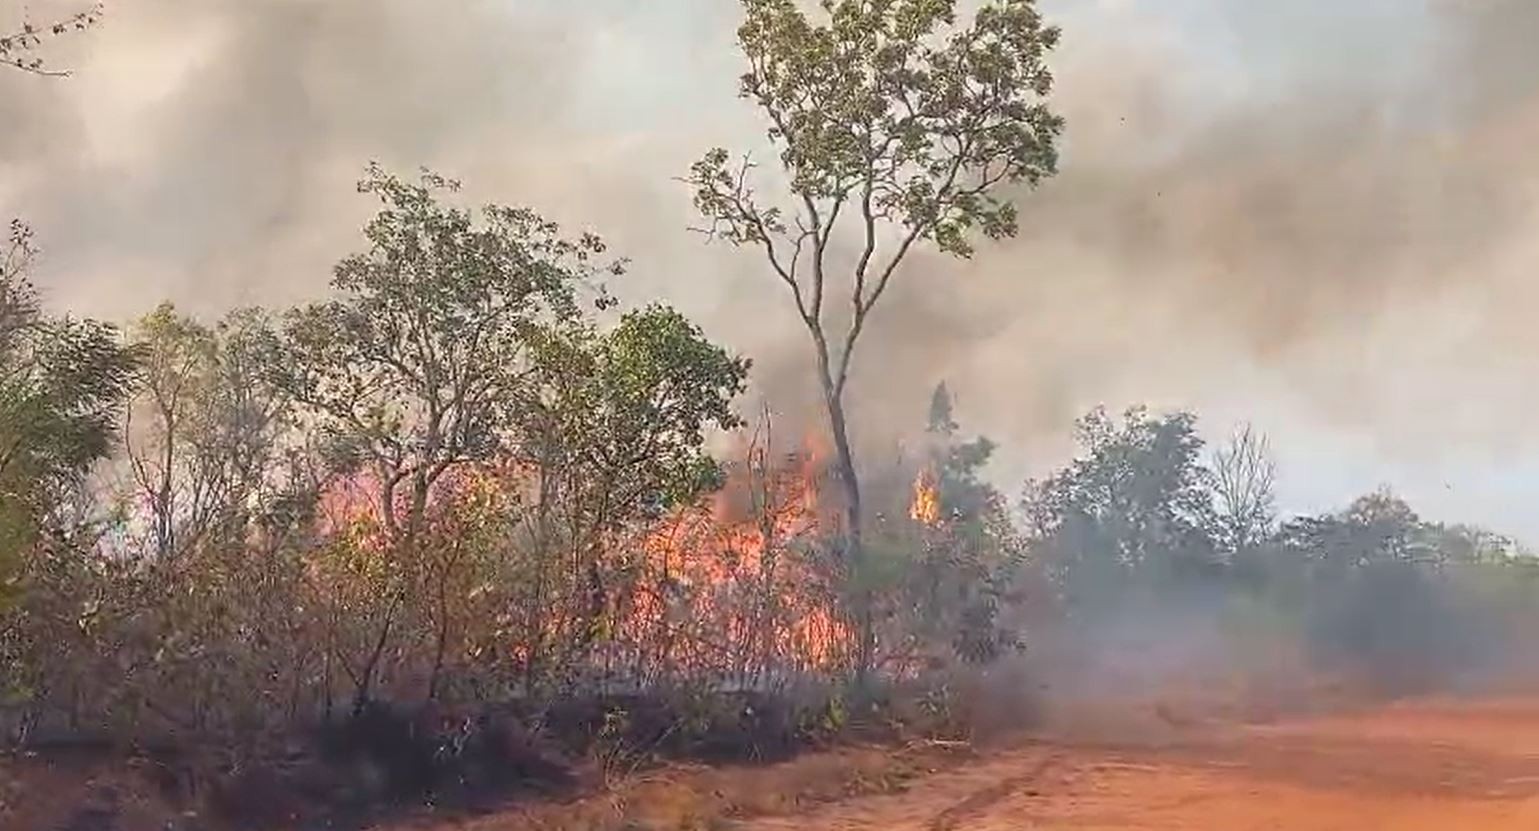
1433	765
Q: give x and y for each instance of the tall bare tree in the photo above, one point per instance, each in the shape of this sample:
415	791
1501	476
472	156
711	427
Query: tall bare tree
1244	477
896	126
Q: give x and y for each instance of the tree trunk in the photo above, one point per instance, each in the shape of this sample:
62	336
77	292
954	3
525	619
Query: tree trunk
844	462
443	638
364	690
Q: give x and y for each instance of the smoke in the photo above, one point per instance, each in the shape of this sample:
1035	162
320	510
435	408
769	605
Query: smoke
1312	216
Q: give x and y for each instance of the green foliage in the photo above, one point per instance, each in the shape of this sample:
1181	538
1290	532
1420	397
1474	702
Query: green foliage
458	375
886	114
949	582
424	362
1377	528
1133	506
204	425
895	126
940	420
891	106
627	410
61	384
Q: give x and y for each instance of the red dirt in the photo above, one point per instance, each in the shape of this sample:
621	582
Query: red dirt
1443	765
1430	765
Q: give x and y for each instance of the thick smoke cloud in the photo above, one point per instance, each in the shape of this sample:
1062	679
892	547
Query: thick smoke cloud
1316	217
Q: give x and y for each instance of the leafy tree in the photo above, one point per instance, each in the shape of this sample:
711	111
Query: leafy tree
1379	599
176	357
457	362
203	424
18	49
634	403
243	423
896	126
1377	528
958	464
1134	504
966	560
940	421
425	361
62	382
422	363
616	436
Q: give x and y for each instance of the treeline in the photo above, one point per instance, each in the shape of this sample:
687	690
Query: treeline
463	497
1148	521
460	519
285	516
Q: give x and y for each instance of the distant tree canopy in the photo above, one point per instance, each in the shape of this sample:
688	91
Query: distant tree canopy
1141	500
1140	520
1134	504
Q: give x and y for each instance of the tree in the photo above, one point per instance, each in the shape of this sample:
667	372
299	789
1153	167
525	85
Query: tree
940	421
17	48
615	435
1244	476
62	382
897	124
177	354
1134	505
968	550
1379	599
423	362
958	465
1378	527
243	422
202	427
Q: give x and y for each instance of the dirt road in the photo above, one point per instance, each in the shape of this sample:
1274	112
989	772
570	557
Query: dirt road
1425	766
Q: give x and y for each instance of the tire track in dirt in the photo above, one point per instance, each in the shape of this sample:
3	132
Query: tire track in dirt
979	802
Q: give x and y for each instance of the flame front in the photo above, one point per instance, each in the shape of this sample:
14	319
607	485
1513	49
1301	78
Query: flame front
925	508
738	557
730	587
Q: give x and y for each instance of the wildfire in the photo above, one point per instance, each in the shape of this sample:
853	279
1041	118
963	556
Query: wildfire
738	556
925	508
728	586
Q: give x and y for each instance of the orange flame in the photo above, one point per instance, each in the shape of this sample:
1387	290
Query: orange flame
925	508
739	555
725	587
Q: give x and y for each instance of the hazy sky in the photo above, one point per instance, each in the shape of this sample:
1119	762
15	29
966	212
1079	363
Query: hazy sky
1314	214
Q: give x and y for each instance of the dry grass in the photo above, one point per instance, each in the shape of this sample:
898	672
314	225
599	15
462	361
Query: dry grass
694	798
